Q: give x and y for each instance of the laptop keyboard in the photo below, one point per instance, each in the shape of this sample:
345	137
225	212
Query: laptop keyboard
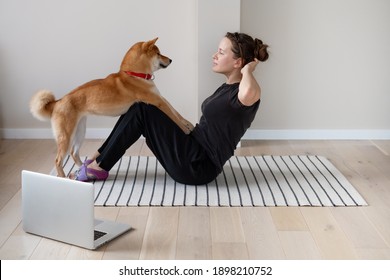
98	234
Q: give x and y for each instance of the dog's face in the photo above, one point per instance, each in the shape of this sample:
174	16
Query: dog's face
145	56
158	60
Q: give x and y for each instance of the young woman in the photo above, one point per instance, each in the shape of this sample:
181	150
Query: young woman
198	157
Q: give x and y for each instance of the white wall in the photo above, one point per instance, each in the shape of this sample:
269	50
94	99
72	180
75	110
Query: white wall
329	67
59	45
214	20
327	76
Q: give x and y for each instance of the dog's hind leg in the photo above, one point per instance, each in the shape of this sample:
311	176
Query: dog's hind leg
62	150
63	132
78	140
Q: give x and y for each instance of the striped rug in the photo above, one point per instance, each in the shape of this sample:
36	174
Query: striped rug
245	181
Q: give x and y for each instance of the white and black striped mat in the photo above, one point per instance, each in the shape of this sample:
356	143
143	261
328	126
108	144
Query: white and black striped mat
245	181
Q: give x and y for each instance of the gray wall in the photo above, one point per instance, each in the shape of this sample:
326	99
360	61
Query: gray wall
330	63
327	76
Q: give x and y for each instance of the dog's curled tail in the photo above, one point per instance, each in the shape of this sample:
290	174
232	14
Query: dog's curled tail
42	104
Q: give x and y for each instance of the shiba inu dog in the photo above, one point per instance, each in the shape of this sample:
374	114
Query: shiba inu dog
111	96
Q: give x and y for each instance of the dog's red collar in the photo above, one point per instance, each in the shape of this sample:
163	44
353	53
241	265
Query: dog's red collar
140	75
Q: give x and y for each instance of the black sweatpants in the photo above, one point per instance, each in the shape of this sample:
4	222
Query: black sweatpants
184	159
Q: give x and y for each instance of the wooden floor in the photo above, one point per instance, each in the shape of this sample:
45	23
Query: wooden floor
219	233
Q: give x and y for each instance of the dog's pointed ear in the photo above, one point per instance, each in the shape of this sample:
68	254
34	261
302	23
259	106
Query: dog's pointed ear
149	44
153	41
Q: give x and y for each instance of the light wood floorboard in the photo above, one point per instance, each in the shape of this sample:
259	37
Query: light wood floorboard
218	232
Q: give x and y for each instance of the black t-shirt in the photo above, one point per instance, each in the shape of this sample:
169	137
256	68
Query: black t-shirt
224	121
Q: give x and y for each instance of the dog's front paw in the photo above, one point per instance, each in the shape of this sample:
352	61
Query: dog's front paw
187	126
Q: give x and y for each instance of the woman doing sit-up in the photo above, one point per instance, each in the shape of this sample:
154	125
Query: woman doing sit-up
197	157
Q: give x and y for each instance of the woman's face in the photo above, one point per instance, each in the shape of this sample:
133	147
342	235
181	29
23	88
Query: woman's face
223	60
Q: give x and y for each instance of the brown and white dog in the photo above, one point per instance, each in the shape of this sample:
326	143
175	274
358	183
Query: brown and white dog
111	96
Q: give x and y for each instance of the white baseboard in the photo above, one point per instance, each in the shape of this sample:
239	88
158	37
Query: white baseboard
46	133
318	134
252	134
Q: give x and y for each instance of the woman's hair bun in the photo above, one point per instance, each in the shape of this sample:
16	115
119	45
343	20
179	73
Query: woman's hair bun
261	52
247	48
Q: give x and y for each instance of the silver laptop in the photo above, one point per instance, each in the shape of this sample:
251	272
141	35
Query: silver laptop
63	210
